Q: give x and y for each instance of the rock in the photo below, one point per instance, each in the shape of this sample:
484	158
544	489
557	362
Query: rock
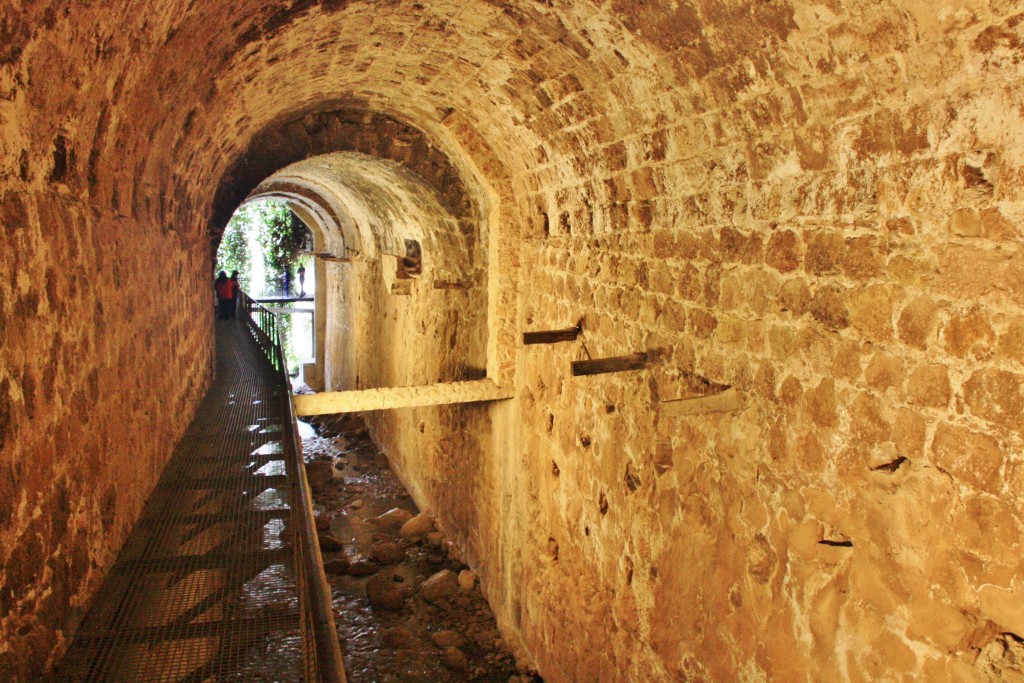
323	521
363	567
435	539
336	566
319	472
419	525
440	586
397	636
454	658
467	580
384	592
387	552
392	519
329	543
356	504
447	638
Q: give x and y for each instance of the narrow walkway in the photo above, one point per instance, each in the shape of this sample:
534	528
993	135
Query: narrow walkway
205	586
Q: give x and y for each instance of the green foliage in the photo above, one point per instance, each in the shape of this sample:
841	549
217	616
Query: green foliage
234	248
279	235
282	237
270	228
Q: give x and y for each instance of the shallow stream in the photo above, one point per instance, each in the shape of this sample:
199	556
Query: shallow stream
409	640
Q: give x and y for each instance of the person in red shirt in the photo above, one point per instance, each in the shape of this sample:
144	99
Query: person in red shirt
225	296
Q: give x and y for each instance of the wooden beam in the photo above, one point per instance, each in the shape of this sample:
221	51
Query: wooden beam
452	284
327	256
636	361
553	336
726	401
388	398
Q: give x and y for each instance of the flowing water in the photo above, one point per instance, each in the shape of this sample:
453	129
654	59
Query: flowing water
451	639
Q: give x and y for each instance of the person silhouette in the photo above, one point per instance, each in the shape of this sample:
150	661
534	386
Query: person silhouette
236	294
225	295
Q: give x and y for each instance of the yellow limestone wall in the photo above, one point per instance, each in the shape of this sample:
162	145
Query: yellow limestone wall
815	203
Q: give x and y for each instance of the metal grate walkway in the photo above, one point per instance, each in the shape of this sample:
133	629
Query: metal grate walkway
204	588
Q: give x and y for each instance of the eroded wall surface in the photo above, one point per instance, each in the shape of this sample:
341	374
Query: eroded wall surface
105	328
826	217
814	203
106	350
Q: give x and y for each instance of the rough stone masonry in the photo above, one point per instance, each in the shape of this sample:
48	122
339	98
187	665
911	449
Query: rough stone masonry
814	204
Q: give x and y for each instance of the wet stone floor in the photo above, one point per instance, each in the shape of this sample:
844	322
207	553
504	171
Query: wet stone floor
405	611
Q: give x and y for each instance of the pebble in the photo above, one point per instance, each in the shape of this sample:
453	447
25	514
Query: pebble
440	586
386	552
419	525
392	519
329	544
410	636
336	566
363	567
397	636
454	658
447	638
382	591
319	472
467	579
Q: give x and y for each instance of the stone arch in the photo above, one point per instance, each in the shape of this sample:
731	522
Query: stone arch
303	135
368	207
468	177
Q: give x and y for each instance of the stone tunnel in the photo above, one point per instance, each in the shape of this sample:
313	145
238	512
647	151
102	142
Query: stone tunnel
801	219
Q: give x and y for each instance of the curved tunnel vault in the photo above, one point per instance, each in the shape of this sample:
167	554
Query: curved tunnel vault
366	208
370	217
816	204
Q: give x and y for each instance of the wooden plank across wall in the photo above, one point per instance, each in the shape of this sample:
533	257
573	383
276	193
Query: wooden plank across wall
598	366
728	401
387	398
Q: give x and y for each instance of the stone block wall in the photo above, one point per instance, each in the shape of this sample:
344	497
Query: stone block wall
105	315
834	231
826	219
102	365
815	204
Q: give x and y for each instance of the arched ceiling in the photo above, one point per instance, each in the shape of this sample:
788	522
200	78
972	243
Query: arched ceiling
517	93
308	134
368	206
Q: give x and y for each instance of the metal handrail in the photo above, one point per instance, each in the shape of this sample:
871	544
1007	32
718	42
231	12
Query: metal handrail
263	325
326	660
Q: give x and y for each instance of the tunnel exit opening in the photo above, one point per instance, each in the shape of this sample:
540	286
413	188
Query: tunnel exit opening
269	248
386	250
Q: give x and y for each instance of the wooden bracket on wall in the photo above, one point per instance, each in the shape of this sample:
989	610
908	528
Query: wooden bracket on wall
726	401
452	284
553	336
326	256
635	361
